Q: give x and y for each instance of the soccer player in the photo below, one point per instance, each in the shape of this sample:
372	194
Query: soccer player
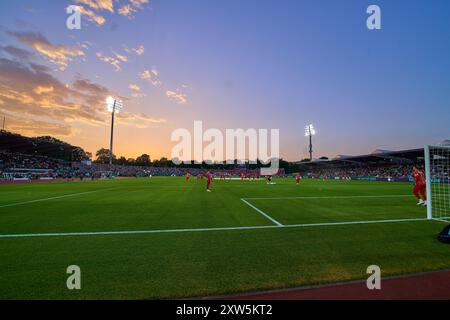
188	176
420	186
298	176
208	181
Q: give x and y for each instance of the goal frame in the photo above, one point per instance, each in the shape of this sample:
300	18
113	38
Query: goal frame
428	182
427	156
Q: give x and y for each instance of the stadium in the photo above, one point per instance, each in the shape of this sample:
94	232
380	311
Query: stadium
192	151
160	237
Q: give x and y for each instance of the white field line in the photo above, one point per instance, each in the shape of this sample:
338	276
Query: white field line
440	220
52	198
130	232
137	232
353	222
262	212
331	197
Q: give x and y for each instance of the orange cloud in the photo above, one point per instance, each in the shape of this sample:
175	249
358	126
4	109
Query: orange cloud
43	89
92	9
177	97
140	50
152	76
132	7
134	87
36	127
111	60
31	92
126	10
92	16
56	54
121	57
98	4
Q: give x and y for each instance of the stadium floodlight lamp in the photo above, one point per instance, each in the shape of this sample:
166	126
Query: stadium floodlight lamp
114	106
109	101
310	131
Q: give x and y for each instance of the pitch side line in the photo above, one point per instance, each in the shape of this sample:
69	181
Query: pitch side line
137	232
262	212
52	198
331	197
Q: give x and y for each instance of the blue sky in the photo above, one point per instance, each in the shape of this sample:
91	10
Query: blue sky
249	64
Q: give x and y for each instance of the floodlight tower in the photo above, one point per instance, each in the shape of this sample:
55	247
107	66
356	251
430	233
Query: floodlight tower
309	132
114	106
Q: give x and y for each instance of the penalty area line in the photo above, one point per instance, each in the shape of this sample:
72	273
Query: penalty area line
262	212
138	232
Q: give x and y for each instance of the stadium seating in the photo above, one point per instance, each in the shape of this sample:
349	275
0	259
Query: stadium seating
23	158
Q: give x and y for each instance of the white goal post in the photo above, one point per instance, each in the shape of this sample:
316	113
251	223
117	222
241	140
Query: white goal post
437	171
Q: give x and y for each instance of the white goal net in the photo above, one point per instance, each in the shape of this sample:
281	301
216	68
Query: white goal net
437	167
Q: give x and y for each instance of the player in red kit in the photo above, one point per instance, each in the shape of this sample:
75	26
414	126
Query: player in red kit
208	181
420	186
188	176
298	176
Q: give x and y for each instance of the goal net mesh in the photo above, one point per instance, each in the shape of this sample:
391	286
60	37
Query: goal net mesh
437	159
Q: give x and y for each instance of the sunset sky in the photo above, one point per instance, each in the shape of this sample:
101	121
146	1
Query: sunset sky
232	64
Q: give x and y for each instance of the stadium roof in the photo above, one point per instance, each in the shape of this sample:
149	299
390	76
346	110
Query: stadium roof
378	157
43	146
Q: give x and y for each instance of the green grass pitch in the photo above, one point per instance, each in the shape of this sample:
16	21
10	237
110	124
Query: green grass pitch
206	243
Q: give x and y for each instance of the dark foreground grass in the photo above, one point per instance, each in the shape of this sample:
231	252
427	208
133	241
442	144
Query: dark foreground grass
174	265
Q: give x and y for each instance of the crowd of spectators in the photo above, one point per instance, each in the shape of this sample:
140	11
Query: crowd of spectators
15	166
20	166
140	171
21	161
382	172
